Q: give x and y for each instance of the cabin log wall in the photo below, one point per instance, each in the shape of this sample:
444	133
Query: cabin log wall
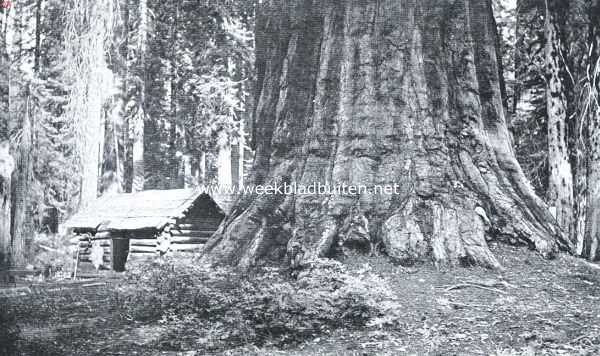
187	233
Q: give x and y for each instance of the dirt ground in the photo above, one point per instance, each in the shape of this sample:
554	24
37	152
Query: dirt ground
534	307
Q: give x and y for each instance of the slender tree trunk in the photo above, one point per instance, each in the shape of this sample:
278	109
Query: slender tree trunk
224	176
382	93
4	77
6	167
22	184
125	51
20	110
6	160
202	168
560	187
138	155
581	184
241	151
138	125
186	162
38	35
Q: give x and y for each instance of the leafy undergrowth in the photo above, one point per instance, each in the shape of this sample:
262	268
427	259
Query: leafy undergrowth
363	306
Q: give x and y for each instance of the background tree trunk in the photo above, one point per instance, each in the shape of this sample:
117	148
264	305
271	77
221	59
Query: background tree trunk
138	156
23	110
6	167
87	34
202	168
224	176
591	243
22	185
138	125
4	77
560	185
588	203
6	160
139	120
381	93
241	154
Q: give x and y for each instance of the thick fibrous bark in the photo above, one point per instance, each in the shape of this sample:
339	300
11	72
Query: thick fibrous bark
590	246
560	185
373	93
588	153
88	26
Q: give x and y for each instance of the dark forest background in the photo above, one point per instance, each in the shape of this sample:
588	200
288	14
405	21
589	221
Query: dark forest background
108	96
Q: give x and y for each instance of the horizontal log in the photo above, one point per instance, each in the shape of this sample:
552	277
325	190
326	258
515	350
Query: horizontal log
199	233
141	254
185	226
92	238
145	242
105	259
87	251
137	235
134	249
90	275
187	247
200	228
200	221
188	239
85	244
141	257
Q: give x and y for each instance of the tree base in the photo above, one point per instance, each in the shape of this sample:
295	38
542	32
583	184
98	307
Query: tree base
373	94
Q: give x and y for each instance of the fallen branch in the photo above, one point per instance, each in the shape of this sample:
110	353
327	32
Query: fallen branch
50	249
471	285
591	265
462	305
448	303
580	338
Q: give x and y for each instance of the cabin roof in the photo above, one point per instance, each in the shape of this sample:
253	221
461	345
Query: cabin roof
149	209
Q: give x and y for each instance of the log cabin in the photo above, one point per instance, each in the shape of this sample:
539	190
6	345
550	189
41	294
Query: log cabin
115	229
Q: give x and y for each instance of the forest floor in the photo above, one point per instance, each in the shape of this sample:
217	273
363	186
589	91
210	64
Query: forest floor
534	307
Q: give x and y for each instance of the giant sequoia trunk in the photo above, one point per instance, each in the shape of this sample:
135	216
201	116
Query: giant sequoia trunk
560	185
374	93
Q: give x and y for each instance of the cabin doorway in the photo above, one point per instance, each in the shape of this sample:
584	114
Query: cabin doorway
120	251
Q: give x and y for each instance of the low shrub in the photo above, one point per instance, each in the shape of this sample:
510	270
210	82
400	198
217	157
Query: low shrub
9	330
201	307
